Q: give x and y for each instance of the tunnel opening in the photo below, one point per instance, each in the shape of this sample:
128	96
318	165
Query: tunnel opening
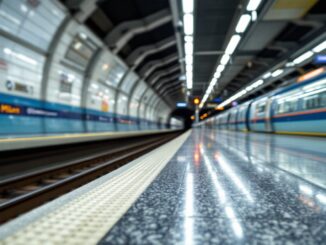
185	115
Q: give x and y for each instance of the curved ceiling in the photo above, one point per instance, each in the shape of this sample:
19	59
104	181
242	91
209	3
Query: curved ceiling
141	32
148	35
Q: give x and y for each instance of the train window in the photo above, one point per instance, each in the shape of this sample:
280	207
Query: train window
315	101
260	108
280	108
291	106
287	106
323	100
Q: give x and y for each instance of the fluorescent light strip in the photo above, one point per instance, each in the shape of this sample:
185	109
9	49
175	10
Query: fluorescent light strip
220	68
241	27
303	57
241	93
189	39
233	44
277	72
188	48
289	64
217	75
188	24
225	59
189	83
320	47
253	5
189	59
214	81
243	23
188	6
267	75
254	85
254	16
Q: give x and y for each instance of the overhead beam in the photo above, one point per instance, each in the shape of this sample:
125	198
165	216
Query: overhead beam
153	65
166	75
125	31
175	8
171	91
85	8
161	82
138	55
157	75
172	85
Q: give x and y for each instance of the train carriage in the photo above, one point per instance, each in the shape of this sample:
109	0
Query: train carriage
242	116
301	110
296	109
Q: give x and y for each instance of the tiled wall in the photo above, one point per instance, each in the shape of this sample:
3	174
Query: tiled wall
47	55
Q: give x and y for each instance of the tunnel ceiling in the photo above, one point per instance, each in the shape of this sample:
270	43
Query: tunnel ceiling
213	19
272	38
132	28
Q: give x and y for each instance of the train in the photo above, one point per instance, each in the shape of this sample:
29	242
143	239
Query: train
299	108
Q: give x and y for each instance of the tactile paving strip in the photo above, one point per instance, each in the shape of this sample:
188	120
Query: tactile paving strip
86	219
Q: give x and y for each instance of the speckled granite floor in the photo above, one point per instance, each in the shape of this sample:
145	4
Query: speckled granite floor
233	188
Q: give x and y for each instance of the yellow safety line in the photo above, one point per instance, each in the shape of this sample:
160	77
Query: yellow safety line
301	133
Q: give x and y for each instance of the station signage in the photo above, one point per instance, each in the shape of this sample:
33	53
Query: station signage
181	104
320	59
311	74
10	109
211	105
217	100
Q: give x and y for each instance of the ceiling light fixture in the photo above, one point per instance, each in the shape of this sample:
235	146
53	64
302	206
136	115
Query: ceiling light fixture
253	5
189	48
189	83
255	85
267	75
289	64
188	28
217	75
189	59
188	22
189	39
241	27
188	6
303	57
214	80
277	72
233	44
320	47
243	23
225	59
254	16
220	68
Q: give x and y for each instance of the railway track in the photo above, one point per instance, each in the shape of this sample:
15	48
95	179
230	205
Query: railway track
23	193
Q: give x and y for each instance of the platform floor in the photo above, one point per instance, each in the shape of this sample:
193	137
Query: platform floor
220	187
233	188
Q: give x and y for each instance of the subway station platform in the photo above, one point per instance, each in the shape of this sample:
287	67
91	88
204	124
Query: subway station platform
204	187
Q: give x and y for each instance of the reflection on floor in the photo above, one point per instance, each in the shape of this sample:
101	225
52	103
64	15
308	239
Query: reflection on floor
230	188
